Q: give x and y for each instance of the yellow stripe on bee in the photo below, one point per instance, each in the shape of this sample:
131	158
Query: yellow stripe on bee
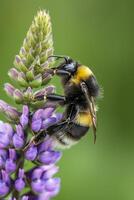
83	73
84	119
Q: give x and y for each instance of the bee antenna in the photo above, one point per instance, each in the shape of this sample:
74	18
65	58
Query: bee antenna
58	57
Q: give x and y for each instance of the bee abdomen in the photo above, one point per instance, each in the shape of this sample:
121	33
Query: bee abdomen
84	119
72	135
65	141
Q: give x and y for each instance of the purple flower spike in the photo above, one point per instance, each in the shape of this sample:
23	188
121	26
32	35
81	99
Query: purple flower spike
20	183
4	183
31	153
26	167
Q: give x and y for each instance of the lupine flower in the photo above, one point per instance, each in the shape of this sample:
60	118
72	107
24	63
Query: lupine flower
34	165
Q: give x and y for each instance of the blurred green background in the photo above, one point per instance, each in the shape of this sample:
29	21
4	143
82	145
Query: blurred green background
99	34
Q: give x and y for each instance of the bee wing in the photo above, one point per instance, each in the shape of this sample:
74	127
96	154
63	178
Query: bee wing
91	104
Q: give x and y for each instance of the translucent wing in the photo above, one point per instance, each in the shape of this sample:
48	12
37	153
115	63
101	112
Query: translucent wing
92	109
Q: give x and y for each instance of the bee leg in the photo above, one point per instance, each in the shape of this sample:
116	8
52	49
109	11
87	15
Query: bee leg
63	125
39	137
57	98
61	72
36	139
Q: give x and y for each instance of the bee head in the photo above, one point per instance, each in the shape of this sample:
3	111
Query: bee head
67	68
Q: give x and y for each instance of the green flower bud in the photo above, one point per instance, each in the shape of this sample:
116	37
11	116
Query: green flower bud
30	75
37	82
19	64
22	81
18	96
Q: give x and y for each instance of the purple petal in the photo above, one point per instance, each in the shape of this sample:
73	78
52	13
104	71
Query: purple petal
49	157
20	131
44	196
2	127
10	166
47	112
52	184
9	129
36	125
10	198
4	140
3	105
31	153
12	154
47	144
25	198
37	173
3	152
12	113
24	120
21	173
19	184
18	142
4	189
48	122
50	89
2	162
9	89
37	115
13	73
49	173
25	110
3	157
38	185
58	116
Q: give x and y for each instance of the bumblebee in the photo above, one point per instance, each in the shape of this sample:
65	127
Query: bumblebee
80	92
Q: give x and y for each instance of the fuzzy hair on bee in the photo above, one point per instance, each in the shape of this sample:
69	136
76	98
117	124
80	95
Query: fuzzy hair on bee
80	92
